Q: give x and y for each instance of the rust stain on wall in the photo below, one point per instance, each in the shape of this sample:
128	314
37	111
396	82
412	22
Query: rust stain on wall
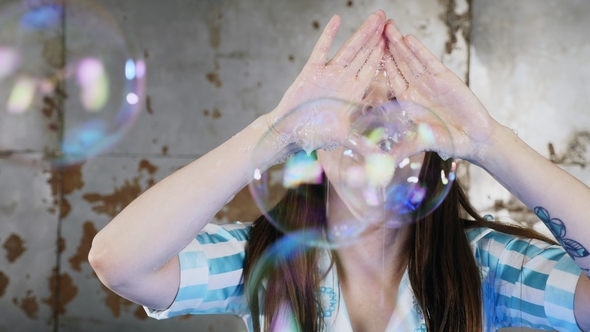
165	150
214	17
213	78
113	203
28	304
81	255
67	291
139	313
115	303
144	164
3	283
70	179
61	245
148	105
14	246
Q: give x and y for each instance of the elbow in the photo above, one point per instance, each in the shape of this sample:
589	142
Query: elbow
103	262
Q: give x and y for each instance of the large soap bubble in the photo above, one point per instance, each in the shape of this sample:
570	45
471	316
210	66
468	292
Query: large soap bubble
299	181
375	162
71	80
385	178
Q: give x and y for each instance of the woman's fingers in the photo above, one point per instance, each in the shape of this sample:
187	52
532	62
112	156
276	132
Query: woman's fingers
431	62
395	78
319	55
367	65
406	61
360	38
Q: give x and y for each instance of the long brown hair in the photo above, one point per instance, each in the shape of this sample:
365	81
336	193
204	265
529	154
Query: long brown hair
442	270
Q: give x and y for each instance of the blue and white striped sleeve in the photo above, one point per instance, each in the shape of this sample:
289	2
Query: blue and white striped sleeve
532	282
211	274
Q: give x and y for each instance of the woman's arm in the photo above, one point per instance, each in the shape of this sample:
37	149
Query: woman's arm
560	200
135	254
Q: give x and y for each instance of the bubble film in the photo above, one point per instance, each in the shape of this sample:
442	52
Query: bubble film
71	80
384	175
299	180
278	260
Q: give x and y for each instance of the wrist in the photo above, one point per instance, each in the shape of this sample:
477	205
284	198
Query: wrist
494	149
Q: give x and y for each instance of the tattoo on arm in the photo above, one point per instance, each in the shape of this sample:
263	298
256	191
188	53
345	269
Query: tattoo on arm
557	228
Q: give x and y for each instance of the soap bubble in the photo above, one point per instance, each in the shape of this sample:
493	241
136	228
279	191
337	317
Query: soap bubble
299	180
71	80
383	175
282	261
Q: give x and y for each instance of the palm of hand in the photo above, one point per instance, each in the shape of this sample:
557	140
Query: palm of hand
344	77
419	77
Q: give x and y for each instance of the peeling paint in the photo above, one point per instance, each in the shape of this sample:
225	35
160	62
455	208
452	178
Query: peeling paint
3	283
67	292
315	25
577	150
165	150
28	304
456	22
81	255
14	246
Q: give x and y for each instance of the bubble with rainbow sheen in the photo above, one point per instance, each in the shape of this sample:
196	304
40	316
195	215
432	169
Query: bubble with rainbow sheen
297	181
388	173
72	80
284	260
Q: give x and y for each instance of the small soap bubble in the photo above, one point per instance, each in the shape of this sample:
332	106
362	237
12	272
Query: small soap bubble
71	80
385	176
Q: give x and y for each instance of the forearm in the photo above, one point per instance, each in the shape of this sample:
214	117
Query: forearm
559	199
165	218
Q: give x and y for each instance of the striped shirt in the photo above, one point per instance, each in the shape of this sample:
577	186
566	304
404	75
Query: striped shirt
525	282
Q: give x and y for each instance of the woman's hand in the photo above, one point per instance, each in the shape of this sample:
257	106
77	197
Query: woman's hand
316	98
417	76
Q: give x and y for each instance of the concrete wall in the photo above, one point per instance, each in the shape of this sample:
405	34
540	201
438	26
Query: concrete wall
213	67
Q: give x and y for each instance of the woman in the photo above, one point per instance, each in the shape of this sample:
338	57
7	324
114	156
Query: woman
436	267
